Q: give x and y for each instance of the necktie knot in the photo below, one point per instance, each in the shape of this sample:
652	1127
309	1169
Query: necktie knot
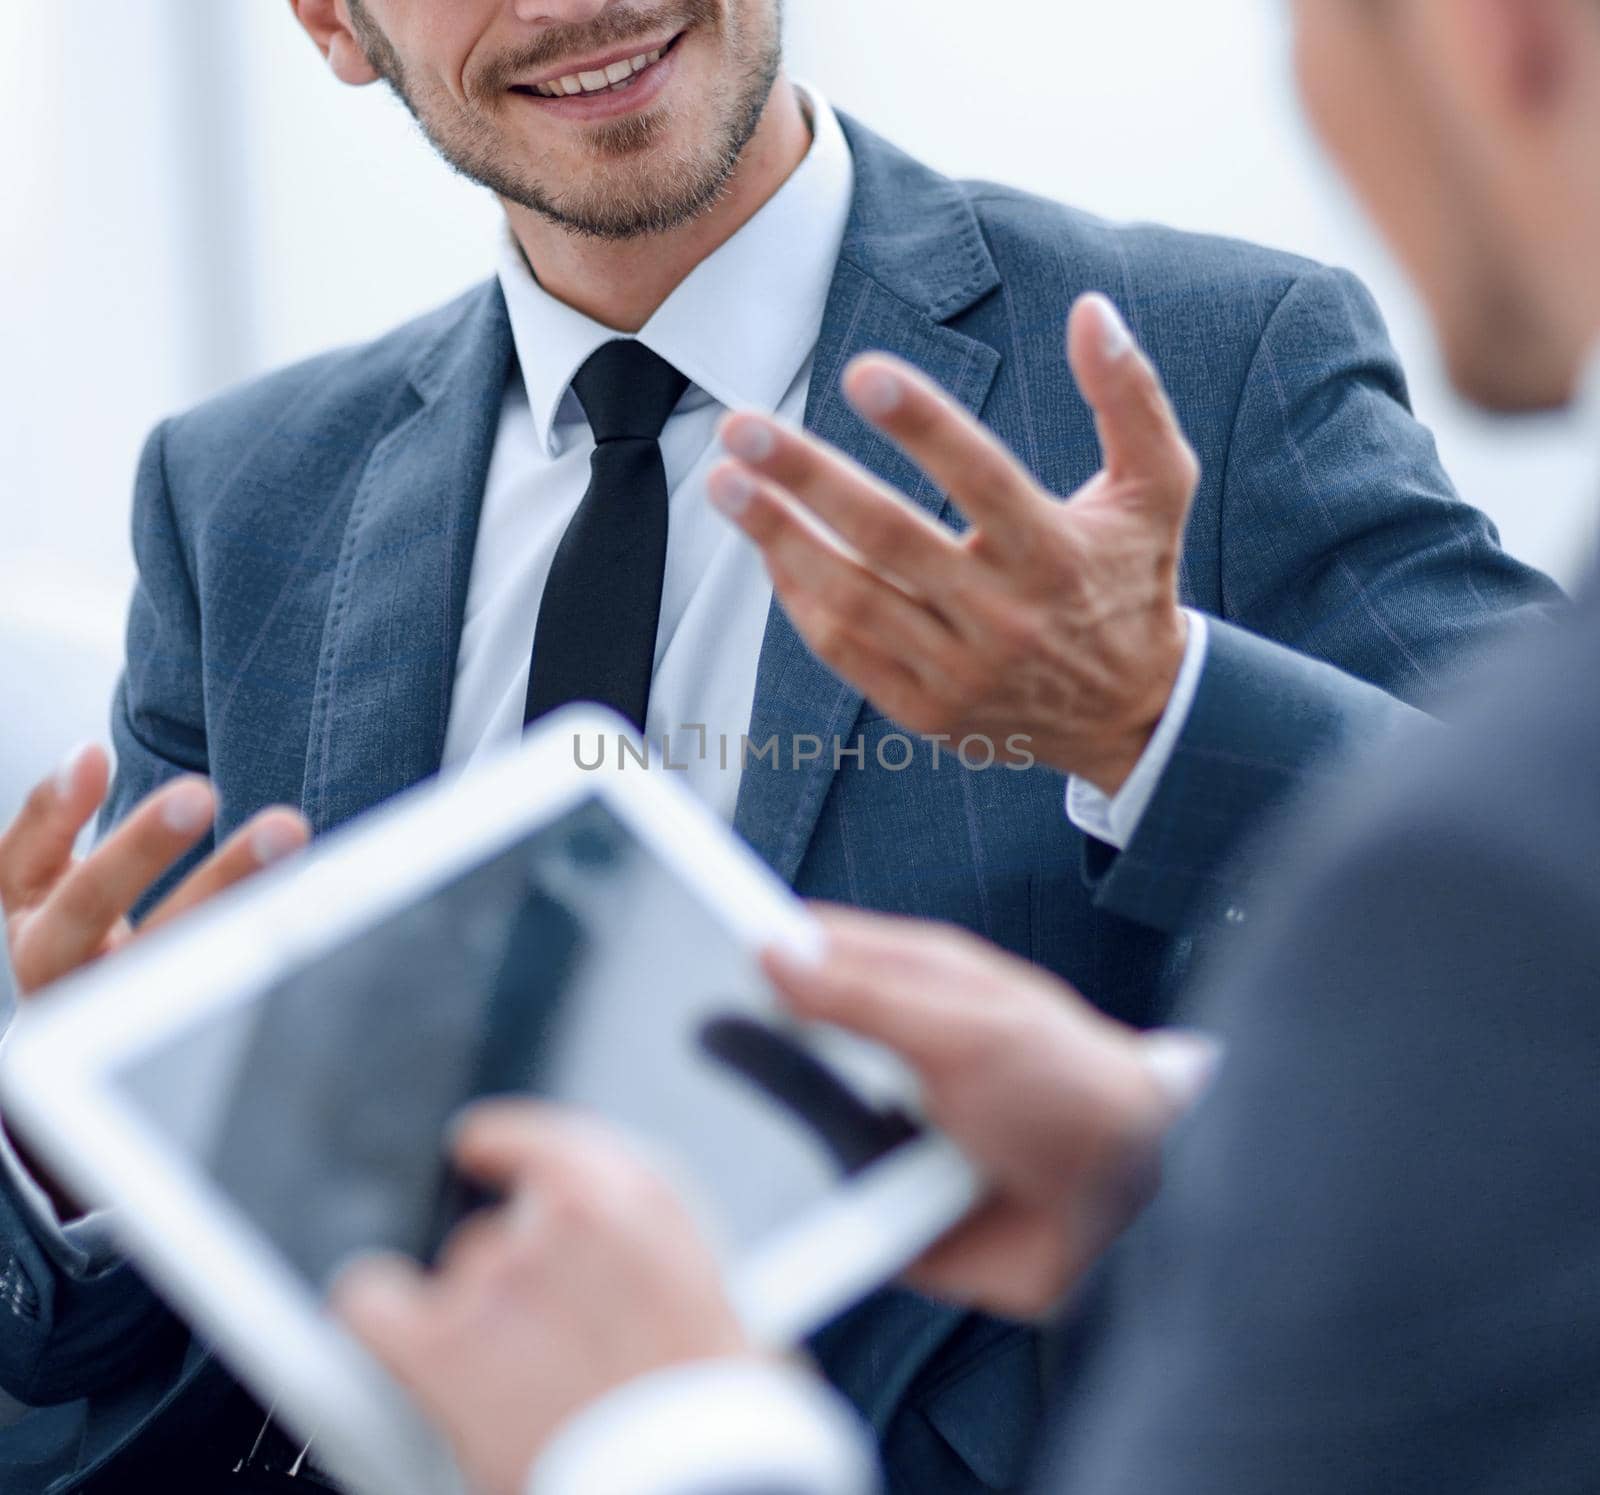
627	392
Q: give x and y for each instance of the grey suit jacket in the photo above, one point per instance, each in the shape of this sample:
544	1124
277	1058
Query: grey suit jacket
304	545
1375	1262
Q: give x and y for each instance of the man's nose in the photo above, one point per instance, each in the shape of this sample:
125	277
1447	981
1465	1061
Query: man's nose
563	12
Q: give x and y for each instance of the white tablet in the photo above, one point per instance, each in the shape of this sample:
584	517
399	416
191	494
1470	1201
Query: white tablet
261	1091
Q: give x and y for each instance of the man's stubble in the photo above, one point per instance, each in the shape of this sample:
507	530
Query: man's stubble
637	184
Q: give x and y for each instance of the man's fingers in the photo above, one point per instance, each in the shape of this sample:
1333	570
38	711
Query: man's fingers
1004	1257
386	1301
931	955
37	846
888	679
897	538
500	1143
844	597
1140	437
964	460
76	919
915	1021
511	1143
268	838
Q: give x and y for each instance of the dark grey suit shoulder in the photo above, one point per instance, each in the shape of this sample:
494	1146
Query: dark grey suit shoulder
1375	1265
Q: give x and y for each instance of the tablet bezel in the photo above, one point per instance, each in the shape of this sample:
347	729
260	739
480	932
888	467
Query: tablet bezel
247	1300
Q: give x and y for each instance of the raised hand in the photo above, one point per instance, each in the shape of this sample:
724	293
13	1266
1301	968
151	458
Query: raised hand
1057	621
62	913
1062	1109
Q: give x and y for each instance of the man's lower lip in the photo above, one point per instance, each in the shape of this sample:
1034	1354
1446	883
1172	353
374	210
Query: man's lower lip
643	91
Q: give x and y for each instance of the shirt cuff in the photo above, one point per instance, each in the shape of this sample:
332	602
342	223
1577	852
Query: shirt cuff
79	1247
724	1425
1115	821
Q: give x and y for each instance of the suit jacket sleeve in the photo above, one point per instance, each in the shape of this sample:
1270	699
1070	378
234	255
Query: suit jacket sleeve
1373	1263
1352	580
158	720
81	1320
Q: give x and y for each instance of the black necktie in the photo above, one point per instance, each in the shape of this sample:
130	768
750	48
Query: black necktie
596	637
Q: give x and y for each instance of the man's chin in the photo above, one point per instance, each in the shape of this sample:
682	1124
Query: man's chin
1493	377
623	215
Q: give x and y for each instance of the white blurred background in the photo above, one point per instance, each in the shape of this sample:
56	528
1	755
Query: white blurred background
191	199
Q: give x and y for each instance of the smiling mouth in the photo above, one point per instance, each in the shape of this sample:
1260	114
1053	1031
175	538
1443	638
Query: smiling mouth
615	77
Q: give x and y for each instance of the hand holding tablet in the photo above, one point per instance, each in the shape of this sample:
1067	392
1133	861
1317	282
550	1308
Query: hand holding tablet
261	1094
516	1332
593	1259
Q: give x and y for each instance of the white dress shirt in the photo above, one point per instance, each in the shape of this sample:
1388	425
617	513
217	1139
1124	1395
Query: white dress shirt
1115	820
719	1425
742	328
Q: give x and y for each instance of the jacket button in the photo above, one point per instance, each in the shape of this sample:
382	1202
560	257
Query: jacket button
1234	915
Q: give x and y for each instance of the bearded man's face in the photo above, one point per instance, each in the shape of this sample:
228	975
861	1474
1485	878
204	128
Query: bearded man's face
627	121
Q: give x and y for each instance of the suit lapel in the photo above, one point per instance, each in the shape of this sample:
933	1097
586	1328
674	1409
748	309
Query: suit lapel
387	663
913	257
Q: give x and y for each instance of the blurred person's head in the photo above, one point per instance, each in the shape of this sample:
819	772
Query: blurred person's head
611	118
1471	129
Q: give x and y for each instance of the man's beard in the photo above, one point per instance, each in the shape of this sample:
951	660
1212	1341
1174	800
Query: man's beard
638	187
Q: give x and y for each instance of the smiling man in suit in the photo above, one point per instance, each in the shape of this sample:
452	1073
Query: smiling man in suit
387	560
1371	1264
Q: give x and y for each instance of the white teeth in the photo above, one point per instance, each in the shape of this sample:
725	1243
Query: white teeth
598	80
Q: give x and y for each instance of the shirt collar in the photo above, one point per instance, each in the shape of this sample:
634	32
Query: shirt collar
741	325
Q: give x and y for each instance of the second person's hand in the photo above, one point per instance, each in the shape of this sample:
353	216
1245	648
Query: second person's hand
591	1274
1062	1109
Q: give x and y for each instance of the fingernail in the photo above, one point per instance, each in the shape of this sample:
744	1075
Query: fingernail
811	953
1183	1063
67	774
876	392
460	1123
801	954
369	1286
271	843
1115	339
749	438
189	808
731	491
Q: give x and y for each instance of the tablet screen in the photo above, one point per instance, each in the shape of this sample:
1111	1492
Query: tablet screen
577	966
